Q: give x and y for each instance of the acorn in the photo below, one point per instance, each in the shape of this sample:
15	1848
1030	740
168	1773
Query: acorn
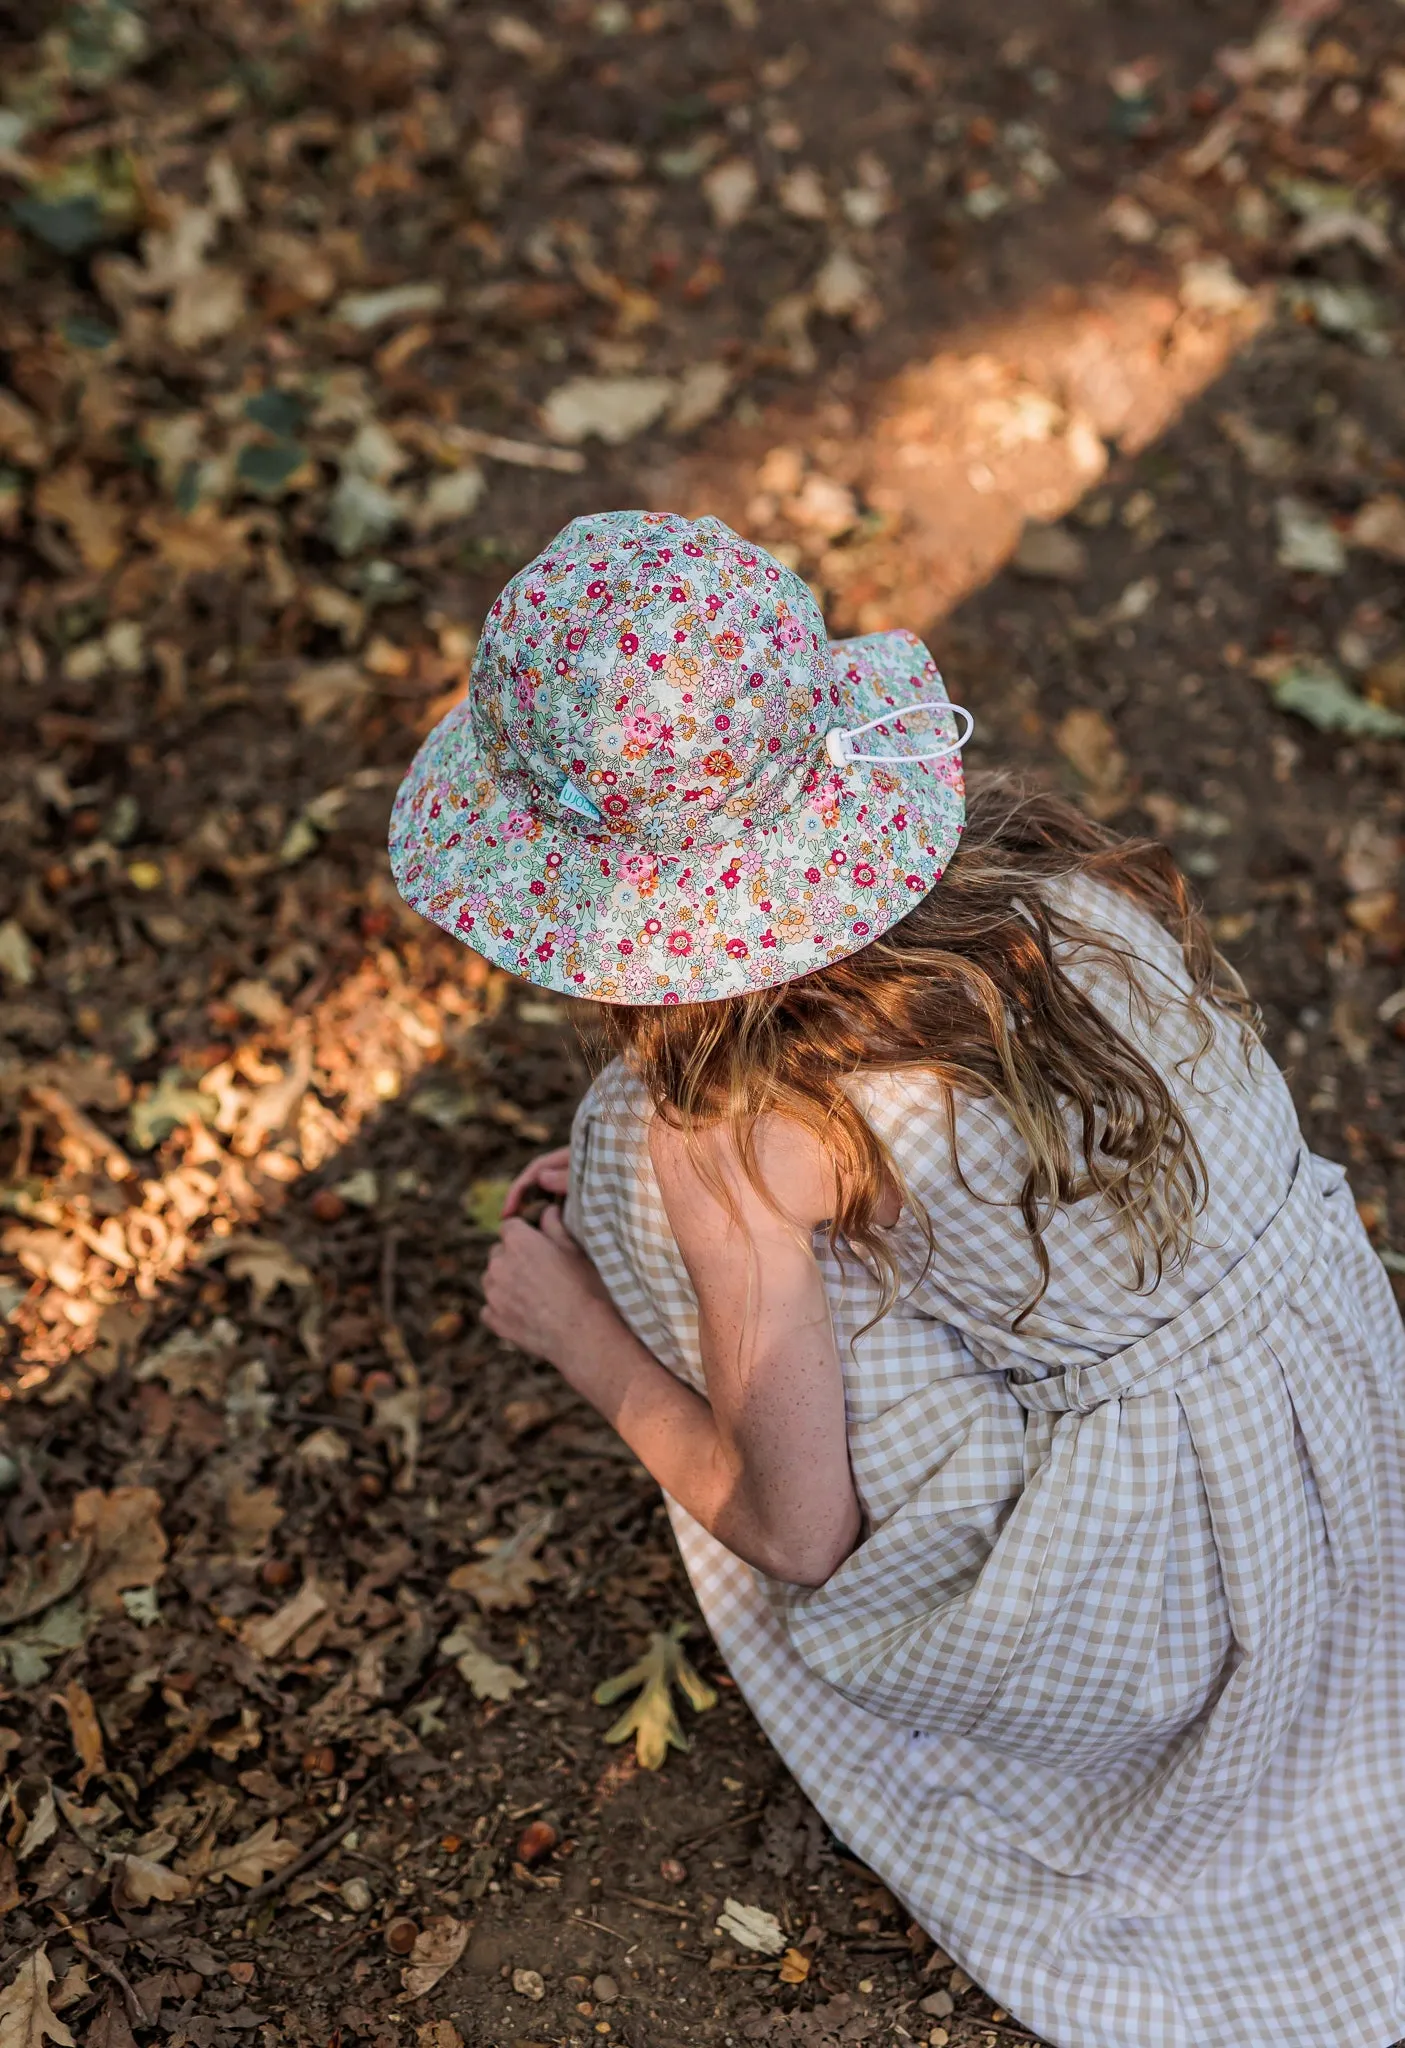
327	1206
276	1571
401	1936
321	1762
342	1379
536	1840
672	1871
378	1383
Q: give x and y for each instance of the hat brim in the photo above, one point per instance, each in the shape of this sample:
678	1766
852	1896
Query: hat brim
577	909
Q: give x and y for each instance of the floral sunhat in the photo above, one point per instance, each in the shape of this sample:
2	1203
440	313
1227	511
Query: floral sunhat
652	792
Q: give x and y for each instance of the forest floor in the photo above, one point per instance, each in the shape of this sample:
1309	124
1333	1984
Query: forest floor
1069	334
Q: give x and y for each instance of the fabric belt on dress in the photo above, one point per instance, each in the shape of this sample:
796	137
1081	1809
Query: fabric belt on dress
1249	1296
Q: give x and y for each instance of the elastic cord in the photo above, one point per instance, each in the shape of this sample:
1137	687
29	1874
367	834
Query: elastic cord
839	743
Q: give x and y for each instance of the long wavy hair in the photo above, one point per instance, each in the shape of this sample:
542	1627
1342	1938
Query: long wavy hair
971	989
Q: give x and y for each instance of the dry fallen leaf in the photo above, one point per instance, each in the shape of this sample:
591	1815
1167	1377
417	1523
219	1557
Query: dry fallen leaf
97	523
268	1635
82	1715
795	1967
137	1881
1086	740
752	1927
508	1574
485	1677
127	1543
1380	526
27	2018
249	1862
651	1718
438	1946
265	1265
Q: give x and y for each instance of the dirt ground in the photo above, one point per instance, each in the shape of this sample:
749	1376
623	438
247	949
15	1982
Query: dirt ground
1068	334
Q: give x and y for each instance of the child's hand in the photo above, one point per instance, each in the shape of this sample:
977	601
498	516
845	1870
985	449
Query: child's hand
551	1173
540	1290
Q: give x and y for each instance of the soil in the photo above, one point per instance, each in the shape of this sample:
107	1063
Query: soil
255	1117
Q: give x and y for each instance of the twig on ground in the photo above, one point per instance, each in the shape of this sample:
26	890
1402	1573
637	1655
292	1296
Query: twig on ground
738	1820
314	1853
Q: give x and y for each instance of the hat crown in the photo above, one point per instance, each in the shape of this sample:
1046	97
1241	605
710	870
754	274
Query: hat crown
661	670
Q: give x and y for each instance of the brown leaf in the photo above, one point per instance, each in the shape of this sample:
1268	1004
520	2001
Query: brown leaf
266	1265
1086	740
437	1948
251	1861
110	2029
9	1889
27	2018
197	545
87	1735
21	435
35	1583
268	1635
206	307
1380	526
137	1881
252	1515
97	523
508	1575
128	1542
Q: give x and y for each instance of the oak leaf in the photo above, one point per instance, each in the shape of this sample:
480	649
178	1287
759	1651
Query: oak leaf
485	1677
508	1574
438	1946
249	1862
651	1718
27	2019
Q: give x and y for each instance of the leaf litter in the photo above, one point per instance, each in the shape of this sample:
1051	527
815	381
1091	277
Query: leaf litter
264	458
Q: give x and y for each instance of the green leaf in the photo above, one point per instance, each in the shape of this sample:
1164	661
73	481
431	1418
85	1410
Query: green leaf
85	330
1317	693
483	1205
269	467
282	412
71	226
171	1103
651	1719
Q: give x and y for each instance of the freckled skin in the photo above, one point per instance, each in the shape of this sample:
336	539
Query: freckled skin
763	1461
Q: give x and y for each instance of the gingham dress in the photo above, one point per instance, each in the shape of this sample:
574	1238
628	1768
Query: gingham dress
1112	1694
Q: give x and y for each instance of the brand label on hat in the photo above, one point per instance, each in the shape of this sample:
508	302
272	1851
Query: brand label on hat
573	800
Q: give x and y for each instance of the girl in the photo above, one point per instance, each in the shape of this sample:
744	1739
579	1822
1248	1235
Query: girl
1026	1396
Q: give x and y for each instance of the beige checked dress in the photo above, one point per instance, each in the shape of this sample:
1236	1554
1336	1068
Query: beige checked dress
1112	1693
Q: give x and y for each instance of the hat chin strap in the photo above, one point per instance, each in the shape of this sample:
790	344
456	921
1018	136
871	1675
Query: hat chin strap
839	744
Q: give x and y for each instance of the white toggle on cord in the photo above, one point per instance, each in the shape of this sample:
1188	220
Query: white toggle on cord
839	744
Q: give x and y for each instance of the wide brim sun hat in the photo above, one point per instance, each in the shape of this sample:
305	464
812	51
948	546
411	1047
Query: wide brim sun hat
665	784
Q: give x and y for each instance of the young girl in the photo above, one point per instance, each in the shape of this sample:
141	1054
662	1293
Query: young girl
1027	1397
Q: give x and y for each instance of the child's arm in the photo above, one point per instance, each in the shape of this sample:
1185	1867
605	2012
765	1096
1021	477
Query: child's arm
763	1462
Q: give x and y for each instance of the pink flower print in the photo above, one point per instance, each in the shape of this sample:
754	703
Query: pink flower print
652	927
791	635
454	839
435	808
626	945
545	950
737	948
900	821
519	825
638	867
729	645
722	722
465	921
646	726
656	662
538	888
690	547
863	876
679	942
768	937
478	901
812	875
629	643
616	805
730	877
575	639
598	588
861	930
553	860
773	745
678	595
915	882
719	762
